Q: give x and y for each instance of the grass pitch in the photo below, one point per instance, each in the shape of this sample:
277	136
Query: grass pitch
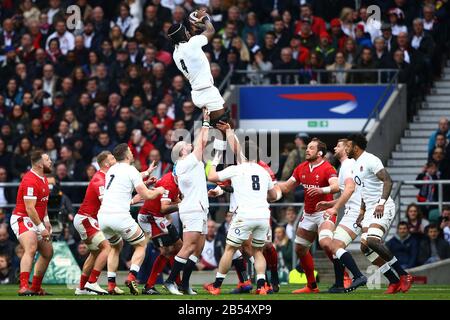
417	292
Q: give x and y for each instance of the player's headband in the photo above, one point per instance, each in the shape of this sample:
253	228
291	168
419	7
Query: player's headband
179	28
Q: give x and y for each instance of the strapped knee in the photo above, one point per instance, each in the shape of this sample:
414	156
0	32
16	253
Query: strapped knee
374	233
302	242
325	234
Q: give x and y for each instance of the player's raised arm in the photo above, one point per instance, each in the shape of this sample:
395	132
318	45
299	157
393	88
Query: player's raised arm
210	31
287	186
148	194
231	139
202	138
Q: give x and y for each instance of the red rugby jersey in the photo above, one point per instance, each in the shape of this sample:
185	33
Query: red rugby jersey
36	187
94	192
153	207
315	177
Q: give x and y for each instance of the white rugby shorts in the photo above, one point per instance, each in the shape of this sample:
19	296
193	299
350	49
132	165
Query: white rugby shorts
208	97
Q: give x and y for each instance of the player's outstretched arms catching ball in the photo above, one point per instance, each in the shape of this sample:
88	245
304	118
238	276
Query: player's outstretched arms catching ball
203	18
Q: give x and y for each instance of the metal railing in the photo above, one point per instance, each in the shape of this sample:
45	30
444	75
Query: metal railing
376	109
384	76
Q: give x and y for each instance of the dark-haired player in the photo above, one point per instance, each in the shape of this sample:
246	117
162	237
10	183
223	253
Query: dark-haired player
152	219
320	181
31	225
193	63
377	212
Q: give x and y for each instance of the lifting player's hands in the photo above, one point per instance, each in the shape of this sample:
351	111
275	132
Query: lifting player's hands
323	205
160	190
379	211
213	193
201	13
152	167
206	116
151	180
223	126
329	213
313	192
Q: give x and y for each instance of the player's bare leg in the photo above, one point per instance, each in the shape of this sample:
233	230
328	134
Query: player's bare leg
303	241
260	269
374	242
385	268
85	272
45	250
185	260
29	242
343	236
100	258
222	270
139	243
113	264
239	263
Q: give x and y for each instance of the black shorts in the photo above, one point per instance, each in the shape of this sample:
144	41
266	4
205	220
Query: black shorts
166	239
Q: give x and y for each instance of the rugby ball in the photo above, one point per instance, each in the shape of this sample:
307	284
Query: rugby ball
193	19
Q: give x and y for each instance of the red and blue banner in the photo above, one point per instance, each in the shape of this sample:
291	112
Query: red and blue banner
309	108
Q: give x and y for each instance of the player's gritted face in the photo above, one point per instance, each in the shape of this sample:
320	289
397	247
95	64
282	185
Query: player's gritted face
350	149
110	160
46	163
312	151
339	150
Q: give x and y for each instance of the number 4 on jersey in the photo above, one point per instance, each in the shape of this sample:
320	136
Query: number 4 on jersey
183	66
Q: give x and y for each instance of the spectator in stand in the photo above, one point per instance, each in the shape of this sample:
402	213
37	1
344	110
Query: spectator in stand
283	245
366	63
213	249
325	48
428	192
281	34
82	253
152	134
416	222
424	44
140	148
6	244
169	142
5	156
7	194
121	132
347	22
433	248
445	223
371	26
308	38
397	21
362	38
389	39
442	129
7	274
441	142
286	63
20	162
103	143
72	160
269	50
404	246
191	114
350	51
291	216
338	37
257	63
339	65
317	23
161	120
225	225
162	167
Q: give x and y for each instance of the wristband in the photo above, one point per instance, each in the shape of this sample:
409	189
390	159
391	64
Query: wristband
205	124
220	144
326	190
47	219
40	227
381	202
146	174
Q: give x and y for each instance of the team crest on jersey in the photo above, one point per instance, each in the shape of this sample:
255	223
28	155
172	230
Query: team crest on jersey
303	176
237	231
162	225
30	225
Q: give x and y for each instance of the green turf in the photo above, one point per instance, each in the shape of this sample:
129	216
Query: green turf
417	292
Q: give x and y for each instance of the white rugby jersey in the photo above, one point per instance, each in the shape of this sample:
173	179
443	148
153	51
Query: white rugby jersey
364	175
345	172
250	182
193	63
192	184
121	180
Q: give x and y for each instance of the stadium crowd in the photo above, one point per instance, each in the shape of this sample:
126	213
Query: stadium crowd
76	91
